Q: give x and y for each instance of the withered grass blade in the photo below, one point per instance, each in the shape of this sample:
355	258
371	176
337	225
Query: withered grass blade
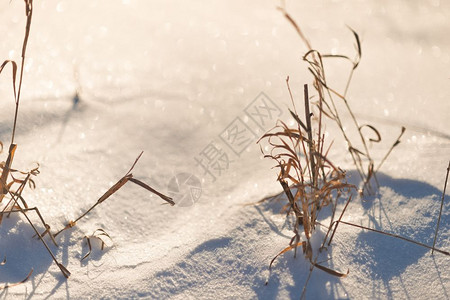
17	283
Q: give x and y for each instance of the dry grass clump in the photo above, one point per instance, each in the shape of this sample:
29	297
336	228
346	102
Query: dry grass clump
329	98
13	182
309	179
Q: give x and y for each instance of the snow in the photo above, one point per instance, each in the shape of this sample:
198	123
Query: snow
167	77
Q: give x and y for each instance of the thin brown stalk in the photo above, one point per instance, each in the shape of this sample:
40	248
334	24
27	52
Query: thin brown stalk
98	234
112	190
290	247
6	286
440	210
310	135
64	271
314	264
320	84
147	187
396	236
390	149
6	170
297	28
338	221
35	209
29	14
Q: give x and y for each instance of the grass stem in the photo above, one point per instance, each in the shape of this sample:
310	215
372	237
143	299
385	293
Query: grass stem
440	211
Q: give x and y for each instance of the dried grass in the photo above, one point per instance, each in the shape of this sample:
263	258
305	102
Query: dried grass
13	182
98	234
309	179
328	106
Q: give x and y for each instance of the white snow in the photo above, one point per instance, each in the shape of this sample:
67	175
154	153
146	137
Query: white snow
168	77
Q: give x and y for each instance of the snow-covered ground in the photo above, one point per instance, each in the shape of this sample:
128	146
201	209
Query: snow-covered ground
168	77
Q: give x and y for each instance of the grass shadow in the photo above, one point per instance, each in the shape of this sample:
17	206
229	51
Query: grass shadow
289	274
320	286
404	207
23	252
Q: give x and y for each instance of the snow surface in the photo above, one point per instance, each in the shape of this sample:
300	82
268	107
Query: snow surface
167	77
